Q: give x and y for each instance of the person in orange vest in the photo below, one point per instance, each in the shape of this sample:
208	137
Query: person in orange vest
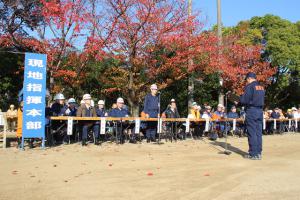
194	113
19	124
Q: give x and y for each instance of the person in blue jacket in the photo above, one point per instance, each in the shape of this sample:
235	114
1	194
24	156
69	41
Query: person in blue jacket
71	109
59	107
151	110
59	128
233	114
253	100
119	111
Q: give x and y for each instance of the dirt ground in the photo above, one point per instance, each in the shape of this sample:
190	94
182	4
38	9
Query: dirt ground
183	170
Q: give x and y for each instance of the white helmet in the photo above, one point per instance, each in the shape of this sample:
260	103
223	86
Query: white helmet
71	100
100	102
153	87
59	96
120	100
221	106
86	97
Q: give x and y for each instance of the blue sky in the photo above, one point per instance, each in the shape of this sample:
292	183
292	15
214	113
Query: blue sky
234	11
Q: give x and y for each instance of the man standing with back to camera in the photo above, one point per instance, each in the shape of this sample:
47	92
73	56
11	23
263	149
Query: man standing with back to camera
253	100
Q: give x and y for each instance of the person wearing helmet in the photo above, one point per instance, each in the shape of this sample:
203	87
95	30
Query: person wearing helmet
59	128
86	110
59	107
71	110
101	110
119	112
151	109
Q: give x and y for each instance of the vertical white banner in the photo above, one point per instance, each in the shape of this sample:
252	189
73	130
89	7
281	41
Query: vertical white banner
102	126
159	125
206	125
137	126
70	126
264	124
234	125
187	125
275	124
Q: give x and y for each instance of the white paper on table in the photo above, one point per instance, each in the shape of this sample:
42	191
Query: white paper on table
70	126
102	126
234	125
206	125
137	126
275	124
159	125
1	119
187	125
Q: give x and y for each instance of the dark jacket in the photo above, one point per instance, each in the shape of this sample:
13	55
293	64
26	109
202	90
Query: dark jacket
151	105
100	112
254	95
116	112
275	115
232	115
172	114
58	109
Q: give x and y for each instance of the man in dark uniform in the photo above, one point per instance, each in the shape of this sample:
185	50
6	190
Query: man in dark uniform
253	100
151	110
120	112
59	128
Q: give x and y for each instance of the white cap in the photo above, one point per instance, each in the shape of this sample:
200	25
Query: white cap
71	100
153	87
173	100
100	102
220	105
86	97
120	100
294	108
59	96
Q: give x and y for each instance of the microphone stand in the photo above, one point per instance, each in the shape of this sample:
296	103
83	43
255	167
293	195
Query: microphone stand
226	152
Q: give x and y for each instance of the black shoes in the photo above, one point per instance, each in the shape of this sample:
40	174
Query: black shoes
84	142
97	141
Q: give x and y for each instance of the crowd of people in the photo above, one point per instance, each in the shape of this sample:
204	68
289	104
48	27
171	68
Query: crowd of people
87	108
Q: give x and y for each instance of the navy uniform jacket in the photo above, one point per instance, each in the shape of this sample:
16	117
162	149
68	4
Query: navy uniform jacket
172	114
151	105
100	112
232	115
72	112
254	96
116	112
275	115
58	109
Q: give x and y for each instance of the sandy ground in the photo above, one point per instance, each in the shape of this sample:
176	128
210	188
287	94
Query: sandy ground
183	170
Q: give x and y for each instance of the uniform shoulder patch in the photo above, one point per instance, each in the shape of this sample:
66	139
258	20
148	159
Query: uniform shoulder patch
259	87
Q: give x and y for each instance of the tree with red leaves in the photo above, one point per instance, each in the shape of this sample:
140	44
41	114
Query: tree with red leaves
152	41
